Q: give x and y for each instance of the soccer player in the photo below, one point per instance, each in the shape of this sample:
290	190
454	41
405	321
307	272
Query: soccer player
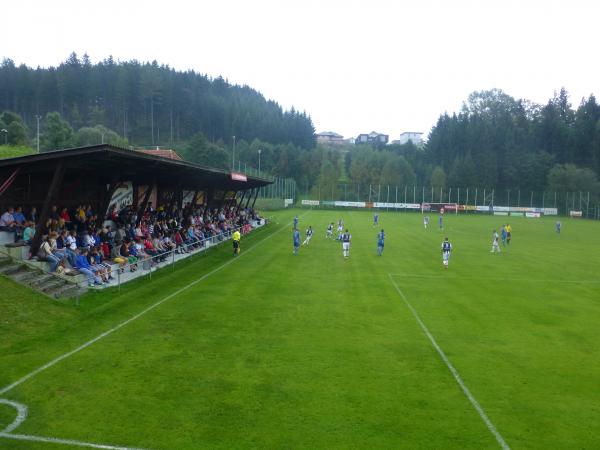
380	239
346	238
425	221
508	233
295	222
441	219
503	234
446	249
375	219
309	233
340	229
236	242
329	232
495	245
558	225
296	237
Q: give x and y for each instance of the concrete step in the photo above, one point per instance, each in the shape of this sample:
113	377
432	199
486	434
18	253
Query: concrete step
4	260
67	290
41	280
10	268
25	276
51	285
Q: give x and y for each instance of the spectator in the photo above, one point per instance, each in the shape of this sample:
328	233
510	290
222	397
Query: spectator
8	223
28	232
45	254
83	265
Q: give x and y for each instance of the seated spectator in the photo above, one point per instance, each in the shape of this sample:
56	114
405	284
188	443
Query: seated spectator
28	232
125	253
115	256
33	215
71	244
45	254
83	265
8	223
103	270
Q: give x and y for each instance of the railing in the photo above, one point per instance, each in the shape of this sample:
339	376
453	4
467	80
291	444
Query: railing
146	264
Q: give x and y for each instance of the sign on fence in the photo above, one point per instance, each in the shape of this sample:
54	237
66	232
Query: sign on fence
310	202
576	213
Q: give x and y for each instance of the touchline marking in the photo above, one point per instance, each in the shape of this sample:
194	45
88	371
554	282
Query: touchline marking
453	370
128	321
532	280
26	437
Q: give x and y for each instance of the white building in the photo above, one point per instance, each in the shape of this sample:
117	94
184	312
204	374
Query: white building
414	136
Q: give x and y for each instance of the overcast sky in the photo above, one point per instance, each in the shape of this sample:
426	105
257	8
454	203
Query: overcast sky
354	66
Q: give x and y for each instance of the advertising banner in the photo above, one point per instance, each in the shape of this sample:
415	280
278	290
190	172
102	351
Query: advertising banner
483	208
517	214
550	211
576	213
310	202
351	204
532	214
500	213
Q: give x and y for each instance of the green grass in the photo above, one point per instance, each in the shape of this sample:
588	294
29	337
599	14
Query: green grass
12	151
314	351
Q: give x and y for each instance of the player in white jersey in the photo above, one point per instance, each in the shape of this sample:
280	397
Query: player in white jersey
309	233
446	249
346	238
495	245
425	221
340	230
329	232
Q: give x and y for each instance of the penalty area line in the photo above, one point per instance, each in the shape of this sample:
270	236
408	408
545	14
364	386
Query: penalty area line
131	319
453	370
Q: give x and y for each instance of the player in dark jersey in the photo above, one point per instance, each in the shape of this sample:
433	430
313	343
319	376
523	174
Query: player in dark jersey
346	238
446	249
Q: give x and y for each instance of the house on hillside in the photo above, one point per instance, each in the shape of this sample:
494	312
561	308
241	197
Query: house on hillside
329	137
415	137
373	138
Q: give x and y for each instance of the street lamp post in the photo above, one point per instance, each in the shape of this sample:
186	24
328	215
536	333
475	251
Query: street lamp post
38	117
259	151
233	156
5	131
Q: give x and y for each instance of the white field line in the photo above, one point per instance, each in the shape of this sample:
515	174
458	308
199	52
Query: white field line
128	321
532	280
26	437
454	372
21	415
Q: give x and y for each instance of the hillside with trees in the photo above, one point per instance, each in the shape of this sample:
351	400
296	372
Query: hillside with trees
147	103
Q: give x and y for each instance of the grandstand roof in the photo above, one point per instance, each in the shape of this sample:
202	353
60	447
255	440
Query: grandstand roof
105	162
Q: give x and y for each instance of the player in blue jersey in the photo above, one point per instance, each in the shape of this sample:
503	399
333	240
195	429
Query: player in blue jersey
375	219
346	238
295	222
296	236
558	226
446	249
380	239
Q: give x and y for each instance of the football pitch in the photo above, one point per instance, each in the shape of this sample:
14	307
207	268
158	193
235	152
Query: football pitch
272	350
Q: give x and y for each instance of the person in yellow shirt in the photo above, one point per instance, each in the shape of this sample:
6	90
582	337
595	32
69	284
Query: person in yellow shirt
508	233
236	242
